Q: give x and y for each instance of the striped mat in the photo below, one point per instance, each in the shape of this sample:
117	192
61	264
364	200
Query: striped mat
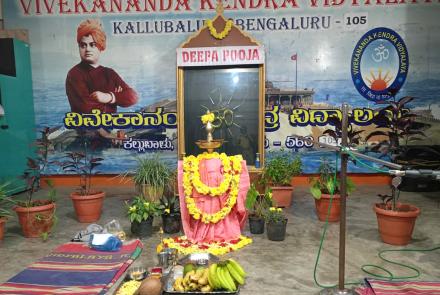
73	268
379	287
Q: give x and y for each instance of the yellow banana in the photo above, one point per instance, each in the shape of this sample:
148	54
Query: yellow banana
185	281
188	275
206	289
193	287
229	279
237	267
234	273
178	285
197	275
223	284
213	279
203	281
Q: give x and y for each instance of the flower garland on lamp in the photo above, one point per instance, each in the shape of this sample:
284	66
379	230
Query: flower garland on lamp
231	182
223	33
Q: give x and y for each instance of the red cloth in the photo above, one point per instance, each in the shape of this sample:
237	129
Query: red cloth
83	79
230	227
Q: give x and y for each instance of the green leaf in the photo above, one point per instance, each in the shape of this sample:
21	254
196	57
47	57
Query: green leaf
331	186
251	197
316	192
44	236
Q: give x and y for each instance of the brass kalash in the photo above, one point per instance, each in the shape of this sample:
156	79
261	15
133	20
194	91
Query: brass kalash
210	143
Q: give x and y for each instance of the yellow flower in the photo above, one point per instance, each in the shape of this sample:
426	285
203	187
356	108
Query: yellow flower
272	209
223	33
167	210
132	209
280	210
208	117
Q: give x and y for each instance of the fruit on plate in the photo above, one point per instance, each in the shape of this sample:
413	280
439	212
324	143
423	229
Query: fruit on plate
226	275
194	280
187	268
150	286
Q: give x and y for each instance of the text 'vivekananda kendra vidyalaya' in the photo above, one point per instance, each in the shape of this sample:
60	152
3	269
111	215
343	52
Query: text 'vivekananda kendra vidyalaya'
87	7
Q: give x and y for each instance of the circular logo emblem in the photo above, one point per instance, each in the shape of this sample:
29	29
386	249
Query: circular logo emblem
379	64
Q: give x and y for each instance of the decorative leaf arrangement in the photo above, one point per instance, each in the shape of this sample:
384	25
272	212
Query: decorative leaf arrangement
280	169
82	164
258	204
35	166
327	183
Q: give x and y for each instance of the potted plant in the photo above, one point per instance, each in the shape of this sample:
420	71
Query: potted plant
141	213
152	176
170	209
37	217
87	202
276	224
395	220
5	205
325	189
257	205
278	173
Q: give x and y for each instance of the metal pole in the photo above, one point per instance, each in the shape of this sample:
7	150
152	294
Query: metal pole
343	192
340	290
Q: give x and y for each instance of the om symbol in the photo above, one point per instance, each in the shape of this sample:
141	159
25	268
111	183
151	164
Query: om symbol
223	115
381	53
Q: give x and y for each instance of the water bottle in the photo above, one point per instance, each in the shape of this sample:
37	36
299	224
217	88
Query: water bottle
257	160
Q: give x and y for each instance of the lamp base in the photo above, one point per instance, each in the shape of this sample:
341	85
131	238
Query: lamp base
337	291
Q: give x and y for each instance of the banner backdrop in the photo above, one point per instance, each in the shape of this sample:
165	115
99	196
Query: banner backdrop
318	54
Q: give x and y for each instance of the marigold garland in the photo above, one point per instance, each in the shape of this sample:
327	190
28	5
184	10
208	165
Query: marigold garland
185	246
223	33
231	181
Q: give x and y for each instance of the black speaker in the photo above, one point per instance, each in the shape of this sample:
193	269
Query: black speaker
7	57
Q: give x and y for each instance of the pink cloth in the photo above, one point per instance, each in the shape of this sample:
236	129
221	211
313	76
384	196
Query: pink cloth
230	227
382	287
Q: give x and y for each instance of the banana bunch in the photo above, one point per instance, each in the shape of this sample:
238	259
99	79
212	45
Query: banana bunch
194	280
226	275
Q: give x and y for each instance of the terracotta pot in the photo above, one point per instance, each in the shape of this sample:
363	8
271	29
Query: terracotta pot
2	227
276	231
396	227
36	220
282	195
88	208
322	207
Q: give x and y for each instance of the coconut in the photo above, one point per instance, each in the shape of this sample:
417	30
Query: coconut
150	286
